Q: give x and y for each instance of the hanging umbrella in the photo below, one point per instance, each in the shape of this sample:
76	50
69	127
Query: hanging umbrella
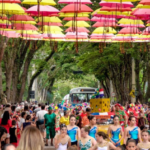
76	19
105	24
10	34
116	9
44	10
77	23
7	8
131	25
23	22
49	24
83	14
76	8
21	18
116	4
42	2
142	12
10	1
74	2
129	30
144	2
24	27
102	19
103	30
146	31
49	19
79	29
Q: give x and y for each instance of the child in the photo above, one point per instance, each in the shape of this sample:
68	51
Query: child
145	144
13	133
131	145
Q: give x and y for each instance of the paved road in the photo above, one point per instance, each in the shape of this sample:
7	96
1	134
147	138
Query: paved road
49	148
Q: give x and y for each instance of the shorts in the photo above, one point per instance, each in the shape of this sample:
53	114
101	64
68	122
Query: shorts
41	127
50	132
74	143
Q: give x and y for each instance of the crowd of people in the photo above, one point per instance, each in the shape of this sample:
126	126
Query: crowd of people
27	126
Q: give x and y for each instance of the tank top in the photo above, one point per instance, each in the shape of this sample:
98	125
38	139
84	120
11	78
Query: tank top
104	146
93	132
26	124
134	133
62	146
13	138
72	133
86	146
115	134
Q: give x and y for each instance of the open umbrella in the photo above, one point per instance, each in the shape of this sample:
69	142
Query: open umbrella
74	2
129	30
76	19
42	2
77	23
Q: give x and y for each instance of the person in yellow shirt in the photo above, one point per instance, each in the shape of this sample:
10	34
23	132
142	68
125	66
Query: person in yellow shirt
65	119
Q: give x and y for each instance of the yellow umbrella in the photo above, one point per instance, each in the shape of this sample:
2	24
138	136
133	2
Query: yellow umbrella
130	21
24	22
145	6
27	32
53	32
11	8
96	11
35	2
49	19
109	13
106	30
51	28
6	22
78	23
84	14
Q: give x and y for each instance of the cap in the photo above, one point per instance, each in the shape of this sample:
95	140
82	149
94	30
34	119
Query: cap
49	108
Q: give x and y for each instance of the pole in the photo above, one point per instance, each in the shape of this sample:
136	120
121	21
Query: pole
111	91
133	80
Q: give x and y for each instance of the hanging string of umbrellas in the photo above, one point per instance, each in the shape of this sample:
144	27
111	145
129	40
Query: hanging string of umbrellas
115	21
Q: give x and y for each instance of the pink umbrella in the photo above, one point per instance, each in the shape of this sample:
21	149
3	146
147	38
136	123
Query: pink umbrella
43	10
75	2
76	19
106	24
131	25
32	36
109	16
102	19
53	36
104	8
19	26
79	29
10	34
142	13
129	30
146	31
116	4
21	18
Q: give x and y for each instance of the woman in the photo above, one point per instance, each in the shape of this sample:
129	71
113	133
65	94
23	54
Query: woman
132	131
3	136
62	141
65	118
93	126
86	142
115	130
6	123
31	139
73	131
102	143
145	144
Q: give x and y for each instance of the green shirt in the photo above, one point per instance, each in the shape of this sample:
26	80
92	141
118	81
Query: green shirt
121	115
50	119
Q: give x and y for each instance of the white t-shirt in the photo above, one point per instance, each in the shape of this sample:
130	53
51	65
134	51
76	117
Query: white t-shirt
22	120
40	114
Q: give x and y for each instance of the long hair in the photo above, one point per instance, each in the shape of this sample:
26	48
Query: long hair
31	139
2	131
5	118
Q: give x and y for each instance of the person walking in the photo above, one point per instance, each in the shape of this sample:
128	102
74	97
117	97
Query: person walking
49	123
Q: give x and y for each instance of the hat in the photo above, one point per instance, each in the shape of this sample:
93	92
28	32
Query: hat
49	108
117	105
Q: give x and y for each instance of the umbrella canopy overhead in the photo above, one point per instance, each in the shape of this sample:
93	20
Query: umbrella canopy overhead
76	8
76	19
74	2
43	10
21	18
42	2
24	27
77	24
79	29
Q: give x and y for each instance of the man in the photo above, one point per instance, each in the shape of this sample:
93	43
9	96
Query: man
121	114
40	119
37	109
22	119
50	125
85	120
